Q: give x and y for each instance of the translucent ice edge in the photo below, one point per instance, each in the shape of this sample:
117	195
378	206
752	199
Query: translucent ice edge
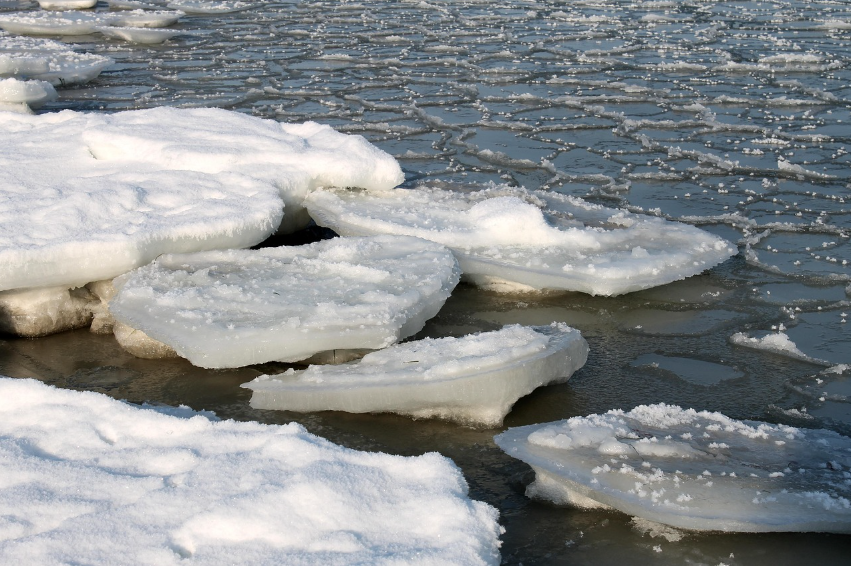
507	236
692	470
474	380
240	307
88	479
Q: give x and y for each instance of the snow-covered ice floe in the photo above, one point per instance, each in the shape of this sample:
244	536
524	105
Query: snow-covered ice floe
47	60
66	4
512	239
239	307
203	7
17	95
88	479
474	380
692	470
145	35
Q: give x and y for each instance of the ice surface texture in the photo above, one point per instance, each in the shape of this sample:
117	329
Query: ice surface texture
240	307
689	469
473	380
506	237
87	479
47	60
86	197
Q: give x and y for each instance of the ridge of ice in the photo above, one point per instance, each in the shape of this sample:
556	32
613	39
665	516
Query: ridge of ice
88	479
692	470
91	196
239	307
474	380
511	237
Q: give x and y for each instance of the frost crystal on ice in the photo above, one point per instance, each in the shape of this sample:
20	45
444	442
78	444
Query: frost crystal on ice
239	307
690	469
507	237
473	380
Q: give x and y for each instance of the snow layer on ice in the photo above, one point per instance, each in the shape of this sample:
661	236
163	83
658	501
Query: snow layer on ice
474	380
66	4
88	479
26	94
534	240
87	197
239	307
693	470
210	6
47	60
777	342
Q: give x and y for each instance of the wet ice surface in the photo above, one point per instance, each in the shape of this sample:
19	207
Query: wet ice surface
730	115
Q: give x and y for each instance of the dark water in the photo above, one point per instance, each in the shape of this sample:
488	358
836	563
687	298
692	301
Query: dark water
730	115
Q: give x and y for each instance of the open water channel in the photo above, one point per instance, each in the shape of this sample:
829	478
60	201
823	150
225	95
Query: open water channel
731	115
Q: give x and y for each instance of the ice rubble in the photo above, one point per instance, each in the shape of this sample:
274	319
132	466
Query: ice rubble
693	470
510	239
239	307
472	380
91	196
47	60
88	479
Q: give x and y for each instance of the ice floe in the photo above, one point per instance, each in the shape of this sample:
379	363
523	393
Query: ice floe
509	238
693	470
91	196
88	479
239	307
47	60
38	312
776	342
210	6
17	95
140	34
474	380
66	4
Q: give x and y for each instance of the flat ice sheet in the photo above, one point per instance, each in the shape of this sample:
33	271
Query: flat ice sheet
239	307
86	197
510	238
47	60
689	469
86	479
475	379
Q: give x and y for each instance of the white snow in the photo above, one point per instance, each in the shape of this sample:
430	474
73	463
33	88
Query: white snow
239	307
66	4
776	342
90	196
692	470
47	60
473	380
85	479
52	23
31	94
511	238
210	7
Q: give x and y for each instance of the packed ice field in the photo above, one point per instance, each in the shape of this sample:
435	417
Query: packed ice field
424	282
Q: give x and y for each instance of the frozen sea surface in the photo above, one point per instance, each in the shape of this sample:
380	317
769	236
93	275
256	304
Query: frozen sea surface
729	115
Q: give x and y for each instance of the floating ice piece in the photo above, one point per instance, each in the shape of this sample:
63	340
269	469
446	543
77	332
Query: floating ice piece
38	312
91	196
473	380
141	34
210	7
52	23
66	4
47	60
777	342
88	479
26	93
692	470
514	239
239	307
145	18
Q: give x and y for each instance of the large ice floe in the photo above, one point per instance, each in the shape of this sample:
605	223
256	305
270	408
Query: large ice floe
693	470
513	239
473	380
87	197
239	307
88	479
29	58
84	23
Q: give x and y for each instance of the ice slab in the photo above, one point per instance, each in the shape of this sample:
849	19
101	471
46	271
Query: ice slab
39	312
512	239
692	470
88	479
33	94
239	307
90	196
47	60
473	380
66	4
140	34
210	6
52	23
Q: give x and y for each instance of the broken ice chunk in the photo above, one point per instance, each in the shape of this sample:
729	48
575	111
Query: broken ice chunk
66	4
47	60
91	480
512	239
692	470
240	307
25	94
39	312
473	380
